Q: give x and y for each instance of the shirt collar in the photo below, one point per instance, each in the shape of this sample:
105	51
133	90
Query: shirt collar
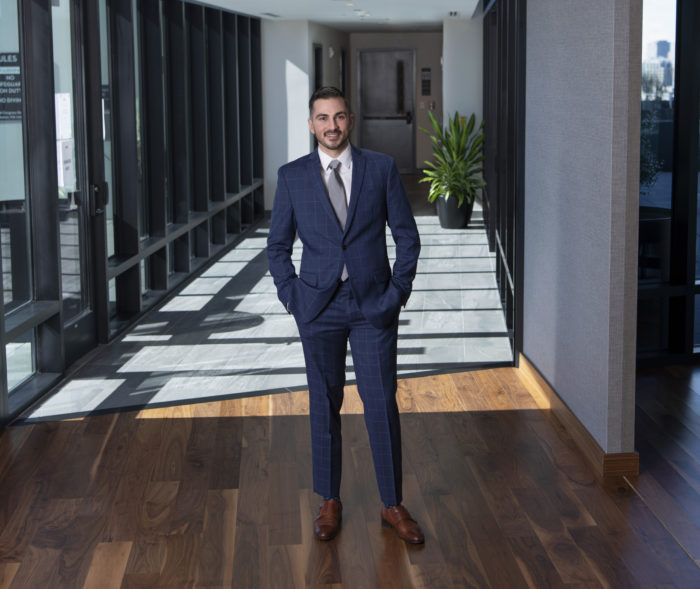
344	158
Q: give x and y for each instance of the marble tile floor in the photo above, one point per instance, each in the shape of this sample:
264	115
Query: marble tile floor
225	334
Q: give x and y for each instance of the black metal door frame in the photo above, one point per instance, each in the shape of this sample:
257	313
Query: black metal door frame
84	332
504	151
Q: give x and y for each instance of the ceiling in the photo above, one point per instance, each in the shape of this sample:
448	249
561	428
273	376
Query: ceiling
358	15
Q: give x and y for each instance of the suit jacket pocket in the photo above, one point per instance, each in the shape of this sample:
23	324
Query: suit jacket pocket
309	279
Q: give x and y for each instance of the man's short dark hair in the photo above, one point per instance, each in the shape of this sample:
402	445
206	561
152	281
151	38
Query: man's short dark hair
328	92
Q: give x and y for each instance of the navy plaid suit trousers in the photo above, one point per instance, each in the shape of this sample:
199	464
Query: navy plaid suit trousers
325	341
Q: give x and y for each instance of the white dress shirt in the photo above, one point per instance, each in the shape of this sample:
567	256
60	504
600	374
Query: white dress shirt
345	160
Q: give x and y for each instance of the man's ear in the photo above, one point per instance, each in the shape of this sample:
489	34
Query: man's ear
311	127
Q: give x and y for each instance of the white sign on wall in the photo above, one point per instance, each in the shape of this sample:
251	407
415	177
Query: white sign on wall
64	116
66	164
10	87
64	141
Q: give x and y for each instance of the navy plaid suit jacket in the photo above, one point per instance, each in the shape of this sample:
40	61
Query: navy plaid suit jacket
302	207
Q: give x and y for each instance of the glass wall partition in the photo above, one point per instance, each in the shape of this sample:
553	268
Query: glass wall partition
656	172
15	247
14	208
131	146
504	136
668	326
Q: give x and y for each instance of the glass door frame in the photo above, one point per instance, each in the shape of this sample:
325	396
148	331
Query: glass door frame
40	319
81	333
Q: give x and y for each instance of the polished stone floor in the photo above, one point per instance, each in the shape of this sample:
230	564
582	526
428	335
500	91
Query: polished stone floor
225	334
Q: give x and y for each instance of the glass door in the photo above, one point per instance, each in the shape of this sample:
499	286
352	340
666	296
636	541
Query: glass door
73	190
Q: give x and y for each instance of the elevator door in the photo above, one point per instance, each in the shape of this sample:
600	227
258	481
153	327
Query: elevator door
387	91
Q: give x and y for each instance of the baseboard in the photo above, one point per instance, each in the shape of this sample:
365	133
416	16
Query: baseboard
606	465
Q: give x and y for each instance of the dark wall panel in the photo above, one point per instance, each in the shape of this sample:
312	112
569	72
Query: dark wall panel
178	103
233	177
256	90
245	107
215	95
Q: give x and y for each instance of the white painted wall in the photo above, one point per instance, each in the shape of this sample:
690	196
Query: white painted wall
462	51
428	47
332	41
581	207
287	70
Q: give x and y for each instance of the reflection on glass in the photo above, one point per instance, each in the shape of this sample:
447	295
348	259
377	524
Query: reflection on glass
107	122
656	153
69	184
143	217
15	255
697	222
652	324
19	355
696	331
112	287
171	258
143	268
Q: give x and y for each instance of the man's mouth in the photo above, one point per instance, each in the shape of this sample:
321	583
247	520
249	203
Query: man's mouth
332	135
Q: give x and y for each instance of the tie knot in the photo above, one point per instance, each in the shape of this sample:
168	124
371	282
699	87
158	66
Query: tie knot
334	165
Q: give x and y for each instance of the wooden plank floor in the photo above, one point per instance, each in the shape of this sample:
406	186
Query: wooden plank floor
668	441
217	495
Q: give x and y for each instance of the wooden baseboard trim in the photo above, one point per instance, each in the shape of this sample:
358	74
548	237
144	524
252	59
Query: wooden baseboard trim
606	465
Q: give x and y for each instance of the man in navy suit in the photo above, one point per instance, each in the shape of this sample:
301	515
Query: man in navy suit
339	200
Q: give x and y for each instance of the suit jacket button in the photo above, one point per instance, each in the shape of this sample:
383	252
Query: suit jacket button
345	247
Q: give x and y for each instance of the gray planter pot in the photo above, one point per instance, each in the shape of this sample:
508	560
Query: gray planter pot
451	216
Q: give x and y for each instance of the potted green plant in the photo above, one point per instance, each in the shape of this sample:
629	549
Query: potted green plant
455	174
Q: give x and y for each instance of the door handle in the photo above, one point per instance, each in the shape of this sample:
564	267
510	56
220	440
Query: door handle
409	117
98	199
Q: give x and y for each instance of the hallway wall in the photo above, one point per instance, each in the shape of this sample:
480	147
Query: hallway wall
463	66
581	187
329	38
287	52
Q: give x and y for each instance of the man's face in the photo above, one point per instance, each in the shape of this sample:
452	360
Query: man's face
331	124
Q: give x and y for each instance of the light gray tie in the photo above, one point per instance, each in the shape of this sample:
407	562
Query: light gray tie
336	192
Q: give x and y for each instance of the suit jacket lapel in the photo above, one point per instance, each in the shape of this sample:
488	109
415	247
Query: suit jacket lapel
358	174
320	188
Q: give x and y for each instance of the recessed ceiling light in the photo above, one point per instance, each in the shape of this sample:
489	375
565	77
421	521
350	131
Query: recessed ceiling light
271	14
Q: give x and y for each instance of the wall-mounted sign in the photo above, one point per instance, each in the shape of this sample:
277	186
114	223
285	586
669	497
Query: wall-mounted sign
10	87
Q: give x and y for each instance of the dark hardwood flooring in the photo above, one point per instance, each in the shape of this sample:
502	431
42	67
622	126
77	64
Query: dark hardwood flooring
668	441
217	495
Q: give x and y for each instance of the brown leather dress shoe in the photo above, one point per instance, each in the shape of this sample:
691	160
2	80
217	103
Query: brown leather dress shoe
404	525
327	522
